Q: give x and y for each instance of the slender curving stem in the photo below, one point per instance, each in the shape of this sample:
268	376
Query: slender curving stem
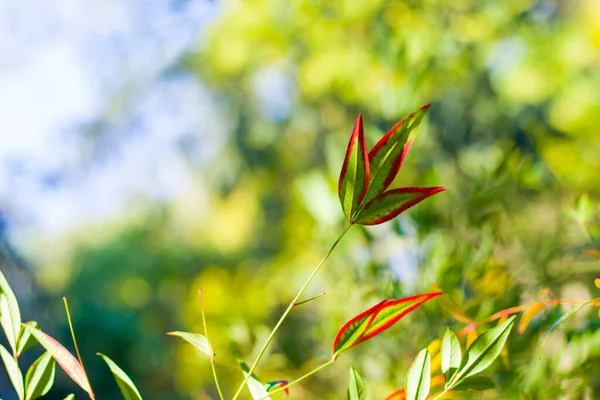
286	312
303	377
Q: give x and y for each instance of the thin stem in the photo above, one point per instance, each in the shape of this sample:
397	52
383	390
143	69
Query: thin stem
439	396
303	377
212	358
286	312
92	396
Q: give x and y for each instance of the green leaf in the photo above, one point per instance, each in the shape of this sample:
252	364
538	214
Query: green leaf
418	378
64	358
128	389
451	354
14	373
26	340
70	397
565	316
475	383
376	320
484	350
356	387
40	377
354	177
257	389
392	203
10	316
386	157
197	340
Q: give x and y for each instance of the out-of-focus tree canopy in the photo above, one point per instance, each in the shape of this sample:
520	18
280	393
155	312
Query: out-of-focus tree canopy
512	133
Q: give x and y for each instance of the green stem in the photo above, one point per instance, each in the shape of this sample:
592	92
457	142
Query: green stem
439	396
303	377
285	314
212	357
91	393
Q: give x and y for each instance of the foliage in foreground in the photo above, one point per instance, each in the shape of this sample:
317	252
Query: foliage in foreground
366	200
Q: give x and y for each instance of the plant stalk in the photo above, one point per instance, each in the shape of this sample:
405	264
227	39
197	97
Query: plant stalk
285	314
303	377
212	357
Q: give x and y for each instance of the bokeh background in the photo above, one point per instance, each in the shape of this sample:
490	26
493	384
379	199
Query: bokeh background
152	148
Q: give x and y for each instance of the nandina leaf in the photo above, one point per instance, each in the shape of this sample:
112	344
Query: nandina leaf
386	157
354	178
64	358
565	316
484	350
40	377
13	371
451	354
26	340
356	387
199	341
126	385
528	316
10	316
391	203
418	378
376	320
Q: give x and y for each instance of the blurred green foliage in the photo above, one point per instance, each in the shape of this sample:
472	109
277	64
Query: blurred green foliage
512	133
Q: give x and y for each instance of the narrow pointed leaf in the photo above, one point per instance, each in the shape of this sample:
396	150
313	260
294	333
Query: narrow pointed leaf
70	397
197	340
386	157
451	354
10	316
26	340
257	389
40	377
126	385
565	316
356	387
269	386
64	358
418	378
14	373
528	316
376	320
354	178
485	349
393	202
475	383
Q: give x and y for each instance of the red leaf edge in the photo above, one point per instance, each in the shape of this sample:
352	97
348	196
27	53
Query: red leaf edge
357	136
375	310
398	163
427	192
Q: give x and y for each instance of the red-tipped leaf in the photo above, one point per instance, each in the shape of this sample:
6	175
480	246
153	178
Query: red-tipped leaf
386	157
354	178
64	358
376	320
393	202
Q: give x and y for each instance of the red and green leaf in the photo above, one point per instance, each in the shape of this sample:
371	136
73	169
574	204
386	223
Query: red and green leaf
393	202
376	320
64	358
354	178
386	157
